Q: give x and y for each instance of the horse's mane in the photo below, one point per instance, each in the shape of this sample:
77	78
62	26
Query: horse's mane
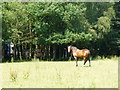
74	47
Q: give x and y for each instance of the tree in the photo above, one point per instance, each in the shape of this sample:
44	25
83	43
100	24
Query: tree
45	30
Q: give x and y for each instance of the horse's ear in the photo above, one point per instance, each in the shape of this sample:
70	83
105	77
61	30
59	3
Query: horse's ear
68	44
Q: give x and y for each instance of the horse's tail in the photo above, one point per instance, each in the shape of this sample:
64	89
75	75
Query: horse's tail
89	58
87	51
89	54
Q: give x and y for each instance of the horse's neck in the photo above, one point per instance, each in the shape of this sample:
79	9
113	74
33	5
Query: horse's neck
74	49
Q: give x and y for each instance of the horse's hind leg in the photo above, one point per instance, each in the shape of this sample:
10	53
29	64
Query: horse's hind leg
76	61
89	62
85	60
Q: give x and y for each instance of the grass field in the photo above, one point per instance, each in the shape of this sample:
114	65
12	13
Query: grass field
102	74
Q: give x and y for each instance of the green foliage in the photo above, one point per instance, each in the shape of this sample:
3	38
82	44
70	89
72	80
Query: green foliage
103	26
55	20
50	23
69	37
14	21
95	10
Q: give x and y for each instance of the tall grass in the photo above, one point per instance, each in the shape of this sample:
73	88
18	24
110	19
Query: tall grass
102	74
13	76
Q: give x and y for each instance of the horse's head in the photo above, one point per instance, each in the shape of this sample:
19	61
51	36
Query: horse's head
69	48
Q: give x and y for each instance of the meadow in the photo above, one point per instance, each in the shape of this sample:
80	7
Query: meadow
102	74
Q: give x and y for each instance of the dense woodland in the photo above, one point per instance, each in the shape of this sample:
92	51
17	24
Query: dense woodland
44	29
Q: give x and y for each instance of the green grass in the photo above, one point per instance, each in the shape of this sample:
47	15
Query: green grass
102	74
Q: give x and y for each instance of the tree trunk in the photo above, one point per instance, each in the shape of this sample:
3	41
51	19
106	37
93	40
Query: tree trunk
20	55
44	47
66	53
49	52
63	52
30	51
14	56
60	49
54	52
35	52
26	56
22	50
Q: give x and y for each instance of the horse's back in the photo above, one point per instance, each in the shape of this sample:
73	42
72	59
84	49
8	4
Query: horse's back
86	51
82	53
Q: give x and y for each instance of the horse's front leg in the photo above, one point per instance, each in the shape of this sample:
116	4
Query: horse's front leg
76	61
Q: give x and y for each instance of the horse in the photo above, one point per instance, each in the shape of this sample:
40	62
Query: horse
77	53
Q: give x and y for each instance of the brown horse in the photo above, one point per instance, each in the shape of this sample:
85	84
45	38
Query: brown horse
77	53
